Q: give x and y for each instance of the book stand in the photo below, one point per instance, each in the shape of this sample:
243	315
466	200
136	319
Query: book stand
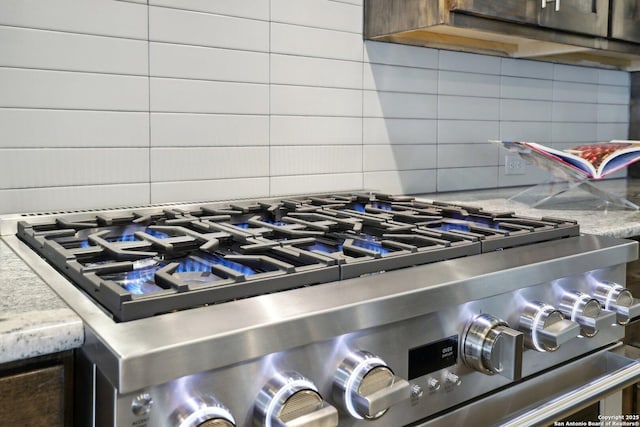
563	179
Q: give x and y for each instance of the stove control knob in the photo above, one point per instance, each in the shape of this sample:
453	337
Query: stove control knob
618	299
586	311
366	387
545	328
491	347
204	411
289	400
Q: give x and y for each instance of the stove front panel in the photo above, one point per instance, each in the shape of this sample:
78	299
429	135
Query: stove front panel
424	352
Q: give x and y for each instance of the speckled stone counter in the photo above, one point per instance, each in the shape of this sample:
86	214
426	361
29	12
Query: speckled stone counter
592	214
33	320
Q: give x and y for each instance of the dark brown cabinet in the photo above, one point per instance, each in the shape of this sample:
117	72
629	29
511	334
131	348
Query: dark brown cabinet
625	20
580	16
585	32
36	392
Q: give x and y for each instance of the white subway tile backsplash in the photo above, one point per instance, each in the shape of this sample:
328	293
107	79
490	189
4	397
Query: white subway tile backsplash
199	96
400	79
399	105
400	55
305	130
575	92
35	128
208	130
307	71
609	131
399	131
124	102
310	160
614	77
468	108
58	167
210	190
525	68
468	84
469	62
399	157
22	88
613	94
526	131
467	155
106	18
207	163
51	199
52	50
456	179
533	175
572	73
205	29
573	132
318	13
315	101
401	182
467	131
205	63
252	9
306	184
574	112
526	110
316	42
526	88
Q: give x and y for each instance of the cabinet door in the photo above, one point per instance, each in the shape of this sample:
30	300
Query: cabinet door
579	16
523	11
625	20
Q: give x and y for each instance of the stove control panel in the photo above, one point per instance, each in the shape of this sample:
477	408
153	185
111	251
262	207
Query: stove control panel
616	298
289	399
366	387
202	411
490	346
586	311
546	328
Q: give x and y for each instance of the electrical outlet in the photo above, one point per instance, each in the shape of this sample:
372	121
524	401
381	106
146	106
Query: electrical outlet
513	165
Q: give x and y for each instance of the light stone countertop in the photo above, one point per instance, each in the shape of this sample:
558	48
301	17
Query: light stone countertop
34	321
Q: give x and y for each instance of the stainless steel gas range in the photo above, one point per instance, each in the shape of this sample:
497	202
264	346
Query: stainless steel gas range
334	310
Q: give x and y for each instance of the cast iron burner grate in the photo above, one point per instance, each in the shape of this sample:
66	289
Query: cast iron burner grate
138	264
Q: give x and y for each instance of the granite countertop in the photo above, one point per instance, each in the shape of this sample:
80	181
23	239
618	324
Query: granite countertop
33	320
594	215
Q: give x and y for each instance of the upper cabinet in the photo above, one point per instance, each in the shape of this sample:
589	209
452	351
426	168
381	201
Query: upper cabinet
625	20
580	16
587	32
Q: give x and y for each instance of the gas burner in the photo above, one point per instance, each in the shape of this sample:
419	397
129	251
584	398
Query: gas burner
140	264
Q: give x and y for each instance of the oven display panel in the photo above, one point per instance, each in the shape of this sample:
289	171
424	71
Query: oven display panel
432	357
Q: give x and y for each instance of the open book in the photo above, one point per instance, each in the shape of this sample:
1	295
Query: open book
594	161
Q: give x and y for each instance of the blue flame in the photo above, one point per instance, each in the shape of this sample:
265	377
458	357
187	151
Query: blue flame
371	246
381	205
191	265
358	207
456	226
140	282
243	225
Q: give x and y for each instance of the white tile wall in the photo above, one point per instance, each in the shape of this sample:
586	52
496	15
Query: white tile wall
120	103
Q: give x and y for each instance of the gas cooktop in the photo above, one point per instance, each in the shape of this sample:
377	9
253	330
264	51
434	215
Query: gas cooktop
145	262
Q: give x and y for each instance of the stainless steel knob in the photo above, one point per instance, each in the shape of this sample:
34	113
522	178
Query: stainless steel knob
366	387
291	400
545	327
618	299
202	411
585	310
491	347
